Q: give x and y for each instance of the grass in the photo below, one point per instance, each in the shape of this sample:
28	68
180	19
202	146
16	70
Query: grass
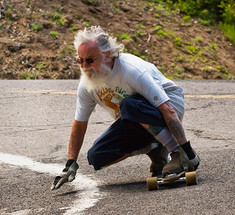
229	31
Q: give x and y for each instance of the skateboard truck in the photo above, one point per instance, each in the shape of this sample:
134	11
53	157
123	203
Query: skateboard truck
190	178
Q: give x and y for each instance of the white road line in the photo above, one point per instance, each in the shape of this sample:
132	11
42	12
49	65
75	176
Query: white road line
88	196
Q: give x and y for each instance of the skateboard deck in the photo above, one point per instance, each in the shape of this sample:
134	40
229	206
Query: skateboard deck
190	178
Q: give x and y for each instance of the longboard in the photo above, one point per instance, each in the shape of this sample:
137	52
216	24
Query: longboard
190	178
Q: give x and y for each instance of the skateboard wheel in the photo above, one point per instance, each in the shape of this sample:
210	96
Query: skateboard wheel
152	183
191	178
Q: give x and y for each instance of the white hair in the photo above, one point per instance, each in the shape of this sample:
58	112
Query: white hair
104	41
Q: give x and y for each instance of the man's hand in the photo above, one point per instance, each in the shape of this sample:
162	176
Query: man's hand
67	175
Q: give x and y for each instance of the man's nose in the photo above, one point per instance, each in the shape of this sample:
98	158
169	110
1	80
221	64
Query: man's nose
85	65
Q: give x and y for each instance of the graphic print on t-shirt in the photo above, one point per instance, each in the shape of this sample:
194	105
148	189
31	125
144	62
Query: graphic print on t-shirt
112	98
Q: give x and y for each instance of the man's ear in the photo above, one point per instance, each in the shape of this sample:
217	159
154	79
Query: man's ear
107	57
107	54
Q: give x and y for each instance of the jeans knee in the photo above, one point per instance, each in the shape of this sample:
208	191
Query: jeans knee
91	157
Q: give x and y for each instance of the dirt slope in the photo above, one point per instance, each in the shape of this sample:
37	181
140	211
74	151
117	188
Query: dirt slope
36	38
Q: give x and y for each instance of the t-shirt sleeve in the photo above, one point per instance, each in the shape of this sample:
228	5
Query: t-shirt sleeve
85	104
150	88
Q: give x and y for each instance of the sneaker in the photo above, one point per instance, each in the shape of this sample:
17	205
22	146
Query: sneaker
180	162
175	166
159	158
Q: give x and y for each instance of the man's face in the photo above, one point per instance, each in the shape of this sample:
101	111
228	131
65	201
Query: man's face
90	58
93	67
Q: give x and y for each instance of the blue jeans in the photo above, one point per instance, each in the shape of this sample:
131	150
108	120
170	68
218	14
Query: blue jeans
126	135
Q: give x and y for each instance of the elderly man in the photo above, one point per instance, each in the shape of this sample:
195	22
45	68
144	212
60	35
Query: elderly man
147	106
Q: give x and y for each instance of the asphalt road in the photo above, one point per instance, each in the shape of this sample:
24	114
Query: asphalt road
35	124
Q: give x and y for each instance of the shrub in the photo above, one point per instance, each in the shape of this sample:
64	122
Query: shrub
210	12
229	31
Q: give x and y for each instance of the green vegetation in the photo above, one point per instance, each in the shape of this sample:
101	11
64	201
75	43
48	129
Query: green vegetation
193	49
214	46
28	75
161	33
157	27
56	16
225	72
187	18
73	28
220	70
181	59
163	38
54	34
198	39
157	15
40	66
8	12
124	36
229	31
68	50
139	33
136	53
37	27
177	42
141	26
210	12
87	24
57	7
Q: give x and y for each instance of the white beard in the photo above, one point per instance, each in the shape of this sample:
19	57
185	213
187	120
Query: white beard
92	80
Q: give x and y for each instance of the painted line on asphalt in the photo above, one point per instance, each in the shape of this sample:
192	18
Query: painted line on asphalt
61	92
88	190
74	92
208	96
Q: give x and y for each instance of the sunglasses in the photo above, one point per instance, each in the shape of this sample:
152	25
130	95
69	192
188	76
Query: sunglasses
87	60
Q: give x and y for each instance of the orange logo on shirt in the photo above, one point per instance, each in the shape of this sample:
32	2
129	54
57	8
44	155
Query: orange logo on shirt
112	98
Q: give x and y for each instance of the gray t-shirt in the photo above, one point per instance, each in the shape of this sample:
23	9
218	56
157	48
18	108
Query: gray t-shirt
130	75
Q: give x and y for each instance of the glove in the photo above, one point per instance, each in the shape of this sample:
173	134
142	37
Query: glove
67	175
